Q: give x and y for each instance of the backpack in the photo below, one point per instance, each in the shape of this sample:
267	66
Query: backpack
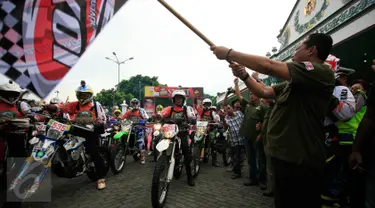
185	112
211	113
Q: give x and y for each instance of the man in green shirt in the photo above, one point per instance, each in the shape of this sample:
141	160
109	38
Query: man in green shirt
295	132
253	114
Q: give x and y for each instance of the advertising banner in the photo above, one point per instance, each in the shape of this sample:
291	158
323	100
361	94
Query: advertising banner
166	92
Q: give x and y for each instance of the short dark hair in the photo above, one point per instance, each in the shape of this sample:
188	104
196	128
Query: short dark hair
366	86
234	101
322	42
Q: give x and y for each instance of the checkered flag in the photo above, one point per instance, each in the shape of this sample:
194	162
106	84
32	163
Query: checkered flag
37	52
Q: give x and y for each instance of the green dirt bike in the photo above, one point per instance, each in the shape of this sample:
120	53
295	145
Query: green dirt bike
125	143
207	130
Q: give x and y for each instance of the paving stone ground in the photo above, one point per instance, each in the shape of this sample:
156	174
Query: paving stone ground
131	189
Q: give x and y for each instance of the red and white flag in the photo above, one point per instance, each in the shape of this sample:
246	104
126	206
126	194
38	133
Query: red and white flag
41	40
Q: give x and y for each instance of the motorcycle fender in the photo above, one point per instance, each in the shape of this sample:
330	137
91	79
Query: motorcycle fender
163	145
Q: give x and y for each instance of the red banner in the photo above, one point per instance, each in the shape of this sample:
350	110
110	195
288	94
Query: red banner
41	40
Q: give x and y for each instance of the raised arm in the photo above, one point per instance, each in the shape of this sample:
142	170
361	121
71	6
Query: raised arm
237	90
260	64
255	87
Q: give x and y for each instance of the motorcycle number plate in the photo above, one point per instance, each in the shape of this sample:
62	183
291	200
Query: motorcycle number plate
202	123
170	130
163	145
41	127
59	126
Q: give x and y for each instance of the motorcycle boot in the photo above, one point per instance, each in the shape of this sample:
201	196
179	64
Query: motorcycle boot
215	163
143	159
190	178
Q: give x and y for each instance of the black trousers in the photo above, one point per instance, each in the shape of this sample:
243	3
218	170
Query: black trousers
296	185
94	149
186	151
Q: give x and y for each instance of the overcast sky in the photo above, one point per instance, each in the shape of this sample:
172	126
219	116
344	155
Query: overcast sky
162	46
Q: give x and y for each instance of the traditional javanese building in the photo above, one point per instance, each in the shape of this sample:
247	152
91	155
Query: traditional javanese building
351	23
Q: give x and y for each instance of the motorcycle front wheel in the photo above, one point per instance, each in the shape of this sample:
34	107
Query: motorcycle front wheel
160	186
117	158
196	160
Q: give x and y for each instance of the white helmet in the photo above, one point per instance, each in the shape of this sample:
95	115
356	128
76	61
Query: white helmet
179	93
10	93
207	101
134	103
56	100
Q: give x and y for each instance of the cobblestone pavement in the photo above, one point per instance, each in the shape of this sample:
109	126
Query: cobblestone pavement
131	189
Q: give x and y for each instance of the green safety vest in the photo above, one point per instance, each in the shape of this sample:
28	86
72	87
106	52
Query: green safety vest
351	126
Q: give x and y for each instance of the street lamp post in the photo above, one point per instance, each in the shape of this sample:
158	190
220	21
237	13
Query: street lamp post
118	64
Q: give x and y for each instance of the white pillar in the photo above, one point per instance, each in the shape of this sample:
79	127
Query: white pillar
124	107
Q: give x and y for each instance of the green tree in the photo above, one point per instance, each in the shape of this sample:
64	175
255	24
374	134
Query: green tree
211	97
135	85
112	97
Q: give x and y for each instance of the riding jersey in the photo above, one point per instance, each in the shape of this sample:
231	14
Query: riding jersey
10	111
184	112
90	109
207	115
135	115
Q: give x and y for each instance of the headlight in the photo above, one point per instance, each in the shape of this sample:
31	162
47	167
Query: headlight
34	140
157	126
156	133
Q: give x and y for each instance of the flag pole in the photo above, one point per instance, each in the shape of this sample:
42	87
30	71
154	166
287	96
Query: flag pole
187	23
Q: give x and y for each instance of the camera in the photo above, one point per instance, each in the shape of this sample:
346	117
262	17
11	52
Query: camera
230	90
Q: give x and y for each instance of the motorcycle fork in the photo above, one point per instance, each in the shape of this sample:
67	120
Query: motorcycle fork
45	169
172	163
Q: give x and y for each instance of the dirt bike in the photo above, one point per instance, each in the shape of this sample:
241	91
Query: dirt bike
62	150
170	161
217	143
117	145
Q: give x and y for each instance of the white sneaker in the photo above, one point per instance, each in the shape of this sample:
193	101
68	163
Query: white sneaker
101	184
143	162
149	153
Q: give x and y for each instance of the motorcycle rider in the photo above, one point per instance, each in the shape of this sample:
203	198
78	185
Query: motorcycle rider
135	114
116	114
57	100
86	109
181	111
12	108
207	113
